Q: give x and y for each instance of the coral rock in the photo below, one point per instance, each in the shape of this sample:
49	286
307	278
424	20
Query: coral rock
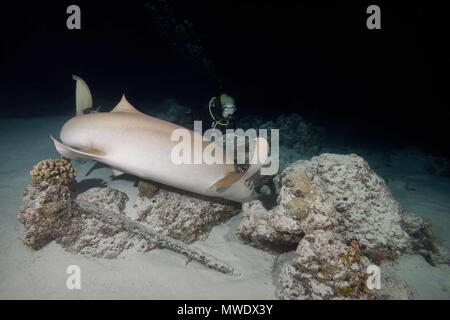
323	268
366	209
147	189
54	171
107	198
47	215
183	217
302	208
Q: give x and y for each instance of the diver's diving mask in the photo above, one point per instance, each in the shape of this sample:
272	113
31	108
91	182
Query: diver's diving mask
228	110
228	105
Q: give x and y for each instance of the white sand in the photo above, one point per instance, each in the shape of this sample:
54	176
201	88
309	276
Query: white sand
158	274
161	274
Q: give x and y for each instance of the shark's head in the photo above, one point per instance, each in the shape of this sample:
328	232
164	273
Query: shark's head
238	186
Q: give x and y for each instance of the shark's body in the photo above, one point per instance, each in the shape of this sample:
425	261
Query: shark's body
132	142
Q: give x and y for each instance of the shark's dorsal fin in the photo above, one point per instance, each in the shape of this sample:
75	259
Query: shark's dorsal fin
259	157
83	97
124	106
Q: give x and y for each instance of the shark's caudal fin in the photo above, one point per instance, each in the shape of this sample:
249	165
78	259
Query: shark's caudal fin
258	159
83	97
70	152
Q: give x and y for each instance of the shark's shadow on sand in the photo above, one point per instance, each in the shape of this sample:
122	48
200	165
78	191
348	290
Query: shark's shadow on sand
97	165
268	201
89	183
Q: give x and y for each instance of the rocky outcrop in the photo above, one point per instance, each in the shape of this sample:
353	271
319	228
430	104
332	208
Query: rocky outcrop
137	233
47	214
324	268
341	217
393	289
303	207
94	223
107	198
184	217
344	218
366	210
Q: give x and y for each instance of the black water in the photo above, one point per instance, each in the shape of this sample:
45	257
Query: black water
387	86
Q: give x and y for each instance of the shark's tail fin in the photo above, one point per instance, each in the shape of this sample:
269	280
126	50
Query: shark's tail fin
83	96
259	157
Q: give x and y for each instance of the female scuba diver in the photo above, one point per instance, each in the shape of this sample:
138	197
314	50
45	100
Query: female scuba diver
222	111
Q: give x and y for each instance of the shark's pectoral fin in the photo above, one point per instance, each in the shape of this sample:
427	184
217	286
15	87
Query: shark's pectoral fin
228	180
70	152
117	172
258	159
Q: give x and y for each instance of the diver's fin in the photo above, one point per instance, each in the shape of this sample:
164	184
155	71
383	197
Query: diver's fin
70	152
259	157
124	106
117	172
83	97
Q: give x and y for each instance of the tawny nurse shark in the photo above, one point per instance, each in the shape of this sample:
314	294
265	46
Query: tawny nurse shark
132	142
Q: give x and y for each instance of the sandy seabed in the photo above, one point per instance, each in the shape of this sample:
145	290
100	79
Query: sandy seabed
162	274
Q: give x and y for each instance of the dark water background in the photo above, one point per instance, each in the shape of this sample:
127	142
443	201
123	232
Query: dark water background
387	86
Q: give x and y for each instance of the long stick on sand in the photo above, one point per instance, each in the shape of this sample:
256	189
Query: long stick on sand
162	241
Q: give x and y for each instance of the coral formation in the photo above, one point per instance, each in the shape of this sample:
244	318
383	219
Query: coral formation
366	210
148	238
333	210
93	224
47	214
183	217
54	171
100	239
324	268
50	211
341	214
147	189
107	198
303	206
